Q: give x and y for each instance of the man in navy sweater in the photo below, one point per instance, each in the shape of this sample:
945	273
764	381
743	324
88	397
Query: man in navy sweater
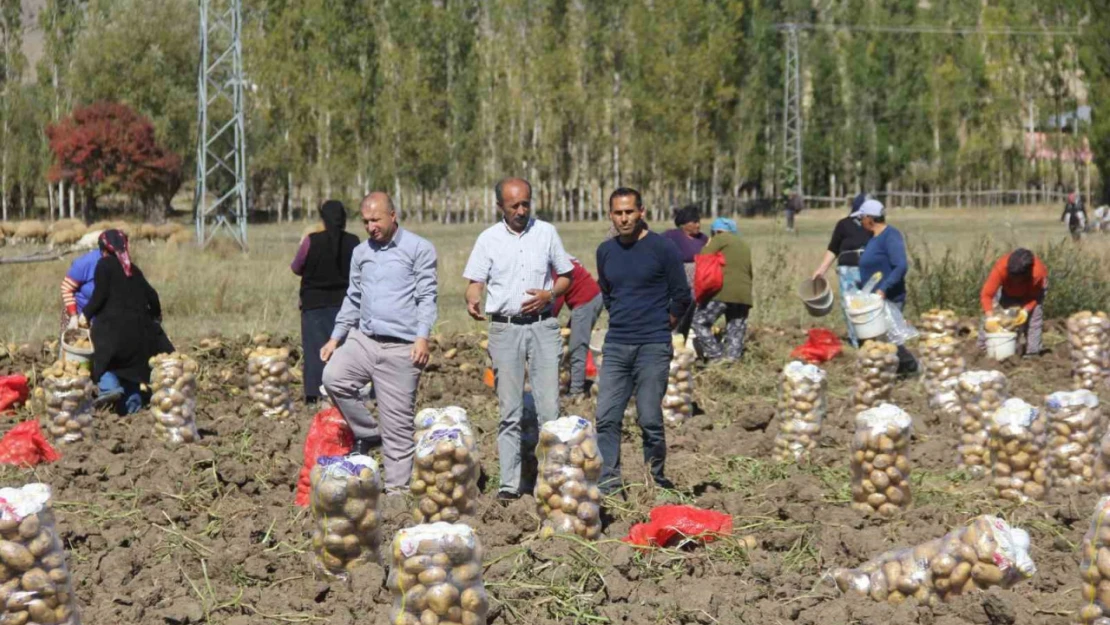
645	291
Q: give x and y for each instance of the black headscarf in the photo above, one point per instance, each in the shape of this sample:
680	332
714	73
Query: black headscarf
334	216
115	243
687	214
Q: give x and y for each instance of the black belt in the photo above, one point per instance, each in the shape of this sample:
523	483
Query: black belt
519	320
387	339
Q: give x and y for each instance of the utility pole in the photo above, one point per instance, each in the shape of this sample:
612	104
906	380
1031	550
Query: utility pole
792	110
220	200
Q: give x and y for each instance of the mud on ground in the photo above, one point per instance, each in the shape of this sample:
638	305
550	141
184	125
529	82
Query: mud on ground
209	534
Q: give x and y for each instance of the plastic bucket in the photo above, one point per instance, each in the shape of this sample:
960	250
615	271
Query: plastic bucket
869	320
1001	345
817	296
72	353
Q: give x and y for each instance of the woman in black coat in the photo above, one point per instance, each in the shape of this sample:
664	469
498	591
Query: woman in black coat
127	329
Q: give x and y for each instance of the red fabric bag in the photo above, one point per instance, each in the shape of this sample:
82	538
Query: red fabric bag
709	276
25	446
591	368
13	391
329	436
670	522
822	345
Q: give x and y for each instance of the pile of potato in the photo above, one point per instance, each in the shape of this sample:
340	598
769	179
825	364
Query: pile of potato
981	394
946	403
801	408
567	496
1094	569
268	378
67	397
346	519
1089	338
445	474
878	369
173	380
77	337
986	553
940	362
34	579
881	460
678	403
428	418
937	322
1102	466
1017	440
436	577
1073	431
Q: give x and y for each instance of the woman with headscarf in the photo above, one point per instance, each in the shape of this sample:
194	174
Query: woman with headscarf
734	300
324	264
687	237
846	246
127	328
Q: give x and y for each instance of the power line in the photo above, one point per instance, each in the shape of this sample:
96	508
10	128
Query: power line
933	30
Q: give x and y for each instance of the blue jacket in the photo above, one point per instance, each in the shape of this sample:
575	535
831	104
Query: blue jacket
642	284
886	253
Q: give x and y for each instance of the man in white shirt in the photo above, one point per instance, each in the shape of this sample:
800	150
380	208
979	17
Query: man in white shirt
513	261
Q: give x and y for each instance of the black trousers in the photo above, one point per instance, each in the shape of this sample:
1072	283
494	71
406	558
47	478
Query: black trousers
316	327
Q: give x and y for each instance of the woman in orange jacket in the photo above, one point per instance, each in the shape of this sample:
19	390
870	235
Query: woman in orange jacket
1018	280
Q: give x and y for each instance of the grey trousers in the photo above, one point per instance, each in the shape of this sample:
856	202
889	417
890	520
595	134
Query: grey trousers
582	320
537	348
1032	329
388	365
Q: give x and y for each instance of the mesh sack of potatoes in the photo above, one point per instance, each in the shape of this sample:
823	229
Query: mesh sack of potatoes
345	515
436	577
678	402
1073	431
567	497
946	403
1102	466
268	378
67	401
801	409
173	402
34	580
445	475
878	369
940	362
1089	339
981	393
1094	568
936	322
986	553
1019	466
428	418
881	460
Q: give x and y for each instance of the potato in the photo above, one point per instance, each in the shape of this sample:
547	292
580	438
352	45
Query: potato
981	393
1017	440
801	409
344	502
1073	425
883	434
1094	569
269	389
173	401
679	400
441	597
1089	339
940	363
35	586
68	392
444	492
567	498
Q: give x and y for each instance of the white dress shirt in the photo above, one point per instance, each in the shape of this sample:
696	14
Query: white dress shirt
510	264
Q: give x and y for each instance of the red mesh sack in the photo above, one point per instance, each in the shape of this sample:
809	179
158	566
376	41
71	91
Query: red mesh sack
25	446
709	276
13	391
329	436
822	345
667	523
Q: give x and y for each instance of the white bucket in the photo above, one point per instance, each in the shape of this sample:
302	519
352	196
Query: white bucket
1001	345
73	353
869	320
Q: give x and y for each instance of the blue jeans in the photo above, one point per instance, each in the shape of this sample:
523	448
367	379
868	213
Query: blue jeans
132	400
849	283
624	369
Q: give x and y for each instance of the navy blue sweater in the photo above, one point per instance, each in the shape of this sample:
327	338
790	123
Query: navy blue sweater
642	284
886	253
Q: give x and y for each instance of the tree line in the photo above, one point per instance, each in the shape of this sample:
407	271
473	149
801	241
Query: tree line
434	100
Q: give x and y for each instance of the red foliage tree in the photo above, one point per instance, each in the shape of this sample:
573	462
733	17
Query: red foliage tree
107	147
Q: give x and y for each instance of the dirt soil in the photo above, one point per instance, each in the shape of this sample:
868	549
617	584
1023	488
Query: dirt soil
209	533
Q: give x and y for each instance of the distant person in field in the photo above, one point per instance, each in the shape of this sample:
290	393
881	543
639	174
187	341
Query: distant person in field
849	238
521	265
645	291
381	337
687	237
323	261
77	287
794	205
734	300
1102	219
885	253
1074	216
583	298
1018	280
126	327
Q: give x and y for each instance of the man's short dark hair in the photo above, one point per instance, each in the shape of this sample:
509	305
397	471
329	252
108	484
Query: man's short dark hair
687	214
625	192
1020	263
501	183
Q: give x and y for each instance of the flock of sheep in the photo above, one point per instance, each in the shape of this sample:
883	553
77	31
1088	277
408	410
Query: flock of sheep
66	233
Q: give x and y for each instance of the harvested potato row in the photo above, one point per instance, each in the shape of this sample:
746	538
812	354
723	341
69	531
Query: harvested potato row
345	514
1102	466
436	577
801	409
445	475
34	579
1017	444
981	393
1094	569
940	362
1089	339
986	553
173	402
938	322
268	378
567	496
678	403
428	418
878	369
1073	426
67	396
881	461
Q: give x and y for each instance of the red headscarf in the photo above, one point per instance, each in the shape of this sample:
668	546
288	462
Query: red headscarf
115	242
